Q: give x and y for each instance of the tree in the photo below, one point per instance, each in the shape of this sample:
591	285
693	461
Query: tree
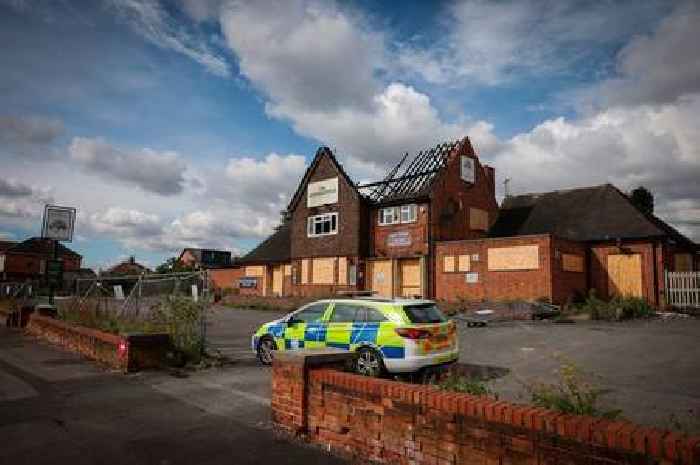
643	199
173	265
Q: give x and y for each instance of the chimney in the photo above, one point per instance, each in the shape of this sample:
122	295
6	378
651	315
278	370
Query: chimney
490	173
132	260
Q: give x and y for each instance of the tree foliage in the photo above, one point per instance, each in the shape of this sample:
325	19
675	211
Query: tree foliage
643	199
173	265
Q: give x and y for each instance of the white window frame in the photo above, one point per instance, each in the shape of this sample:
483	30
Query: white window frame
397	214
311	222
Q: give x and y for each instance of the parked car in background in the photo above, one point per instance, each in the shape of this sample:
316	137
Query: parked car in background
393	336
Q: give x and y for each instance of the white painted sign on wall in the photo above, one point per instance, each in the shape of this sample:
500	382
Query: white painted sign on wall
467	169
322	192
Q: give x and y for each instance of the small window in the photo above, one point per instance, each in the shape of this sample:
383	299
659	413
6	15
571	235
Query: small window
372	315
322	225
344	313
425	313
389	215
409	213
311	313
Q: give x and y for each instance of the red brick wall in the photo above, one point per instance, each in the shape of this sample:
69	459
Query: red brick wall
226	278
568	284
418	232
494	285
351	238
29	265
367	419
599	267
451	198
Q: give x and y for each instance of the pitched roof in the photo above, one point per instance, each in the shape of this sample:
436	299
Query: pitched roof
583	214
276	248
320	153
415	180
40	246
4	245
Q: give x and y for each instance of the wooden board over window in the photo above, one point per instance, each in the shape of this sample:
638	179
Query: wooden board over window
382	278
254	270
571	262
287	270
478	219
683	262
448	264
410	272
277	280
625	273
323	271
521	257
342	270
305	271
463	263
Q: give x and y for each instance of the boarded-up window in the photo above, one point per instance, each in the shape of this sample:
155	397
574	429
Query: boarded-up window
683	262
323	271
342	270
478	219
305	271
254	270
463	263
287	270
522	257
571	262
448	264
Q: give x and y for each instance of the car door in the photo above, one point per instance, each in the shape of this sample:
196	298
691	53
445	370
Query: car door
306	328
340	325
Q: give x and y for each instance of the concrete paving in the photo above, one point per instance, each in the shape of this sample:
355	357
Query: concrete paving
56	408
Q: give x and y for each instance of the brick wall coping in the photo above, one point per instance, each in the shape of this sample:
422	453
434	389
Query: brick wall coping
81	330
597	432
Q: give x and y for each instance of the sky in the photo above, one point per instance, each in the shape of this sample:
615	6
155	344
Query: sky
188	123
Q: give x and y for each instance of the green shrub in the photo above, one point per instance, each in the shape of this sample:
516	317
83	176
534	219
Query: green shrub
571	394
616	309
466	385
182	318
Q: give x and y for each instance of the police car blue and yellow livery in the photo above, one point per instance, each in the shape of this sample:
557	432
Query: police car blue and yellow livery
396	336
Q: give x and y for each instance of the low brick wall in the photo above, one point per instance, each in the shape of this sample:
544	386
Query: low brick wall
397	423
128	353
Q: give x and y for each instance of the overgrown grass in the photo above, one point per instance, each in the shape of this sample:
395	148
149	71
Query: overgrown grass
280	304
182	318
616	309
92	316
571	394
457	383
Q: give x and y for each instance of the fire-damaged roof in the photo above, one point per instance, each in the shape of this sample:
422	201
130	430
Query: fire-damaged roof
276	248
584	214
39	246
414	181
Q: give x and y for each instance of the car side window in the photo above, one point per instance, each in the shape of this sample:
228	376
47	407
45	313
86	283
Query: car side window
372	315
311	313
344	313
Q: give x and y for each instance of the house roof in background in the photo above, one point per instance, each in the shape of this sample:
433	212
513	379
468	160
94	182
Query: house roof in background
40	246
584	214
276	248
4	245
415	179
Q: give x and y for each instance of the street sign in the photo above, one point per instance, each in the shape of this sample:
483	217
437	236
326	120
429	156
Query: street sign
58	223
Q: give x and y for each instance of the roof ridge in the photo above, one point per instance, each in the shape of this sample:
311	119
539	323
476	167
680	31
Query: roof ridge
555	191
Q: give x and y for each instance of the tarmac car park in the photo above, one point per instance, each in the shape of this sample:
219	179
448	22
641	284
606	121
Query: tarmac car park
389	335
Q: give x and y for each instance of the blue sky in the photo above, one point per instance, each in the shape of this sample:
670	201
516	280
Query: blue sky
189	123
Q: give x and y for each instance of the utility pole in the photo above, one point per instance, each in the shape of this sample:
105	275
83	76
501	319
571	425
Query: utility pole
506	187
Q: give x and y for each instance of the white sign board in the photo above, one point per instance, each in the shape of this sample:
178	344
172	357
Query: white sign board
471	278
119	292
467	169
195	293
2	263
58	223
322	192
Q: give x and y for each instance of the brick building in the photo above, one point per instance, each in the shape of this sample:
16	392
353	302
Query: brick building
127	267
26	260
205	258
432	228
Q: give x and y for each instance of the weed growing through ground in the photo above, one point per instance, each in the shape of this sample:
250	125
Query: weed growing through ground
473	386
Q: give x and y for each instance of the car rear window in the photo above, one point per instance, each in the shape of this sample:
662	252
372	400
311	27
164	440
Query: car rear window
424	313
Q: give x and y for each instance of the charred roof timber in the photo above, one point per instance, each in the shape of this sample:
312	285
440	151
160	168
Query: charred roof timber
414	181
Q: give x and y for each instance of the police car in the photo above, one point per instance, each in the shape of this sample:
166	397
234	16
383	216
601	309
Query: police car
395	336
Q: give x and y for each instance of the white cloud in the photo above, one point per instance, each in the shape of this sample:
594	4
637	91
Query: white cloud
201	10
154	23
152	171
656	68
30	137
487	42
121	222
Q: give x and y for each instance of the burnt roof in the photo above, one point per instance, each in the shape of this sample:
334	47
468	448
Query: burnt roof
413	181
584	214
40	246
276	248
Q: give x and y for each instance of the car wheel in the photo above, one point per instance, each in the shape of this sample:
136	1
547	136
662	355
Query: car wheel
265	348
369	362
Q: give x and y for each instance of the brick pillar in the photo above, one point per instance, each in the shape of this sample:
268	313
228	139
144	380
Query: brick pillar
290	379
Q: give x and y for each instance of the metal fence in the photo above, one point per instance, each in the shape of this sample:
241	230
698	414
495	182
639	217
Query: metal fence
683	289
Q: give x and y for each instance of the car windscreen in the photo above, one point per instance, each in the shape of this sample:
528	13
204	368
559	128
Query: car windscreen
424	313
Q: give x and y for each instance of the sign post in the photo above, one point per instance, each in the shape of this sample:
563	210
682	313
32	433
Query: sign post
58	225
